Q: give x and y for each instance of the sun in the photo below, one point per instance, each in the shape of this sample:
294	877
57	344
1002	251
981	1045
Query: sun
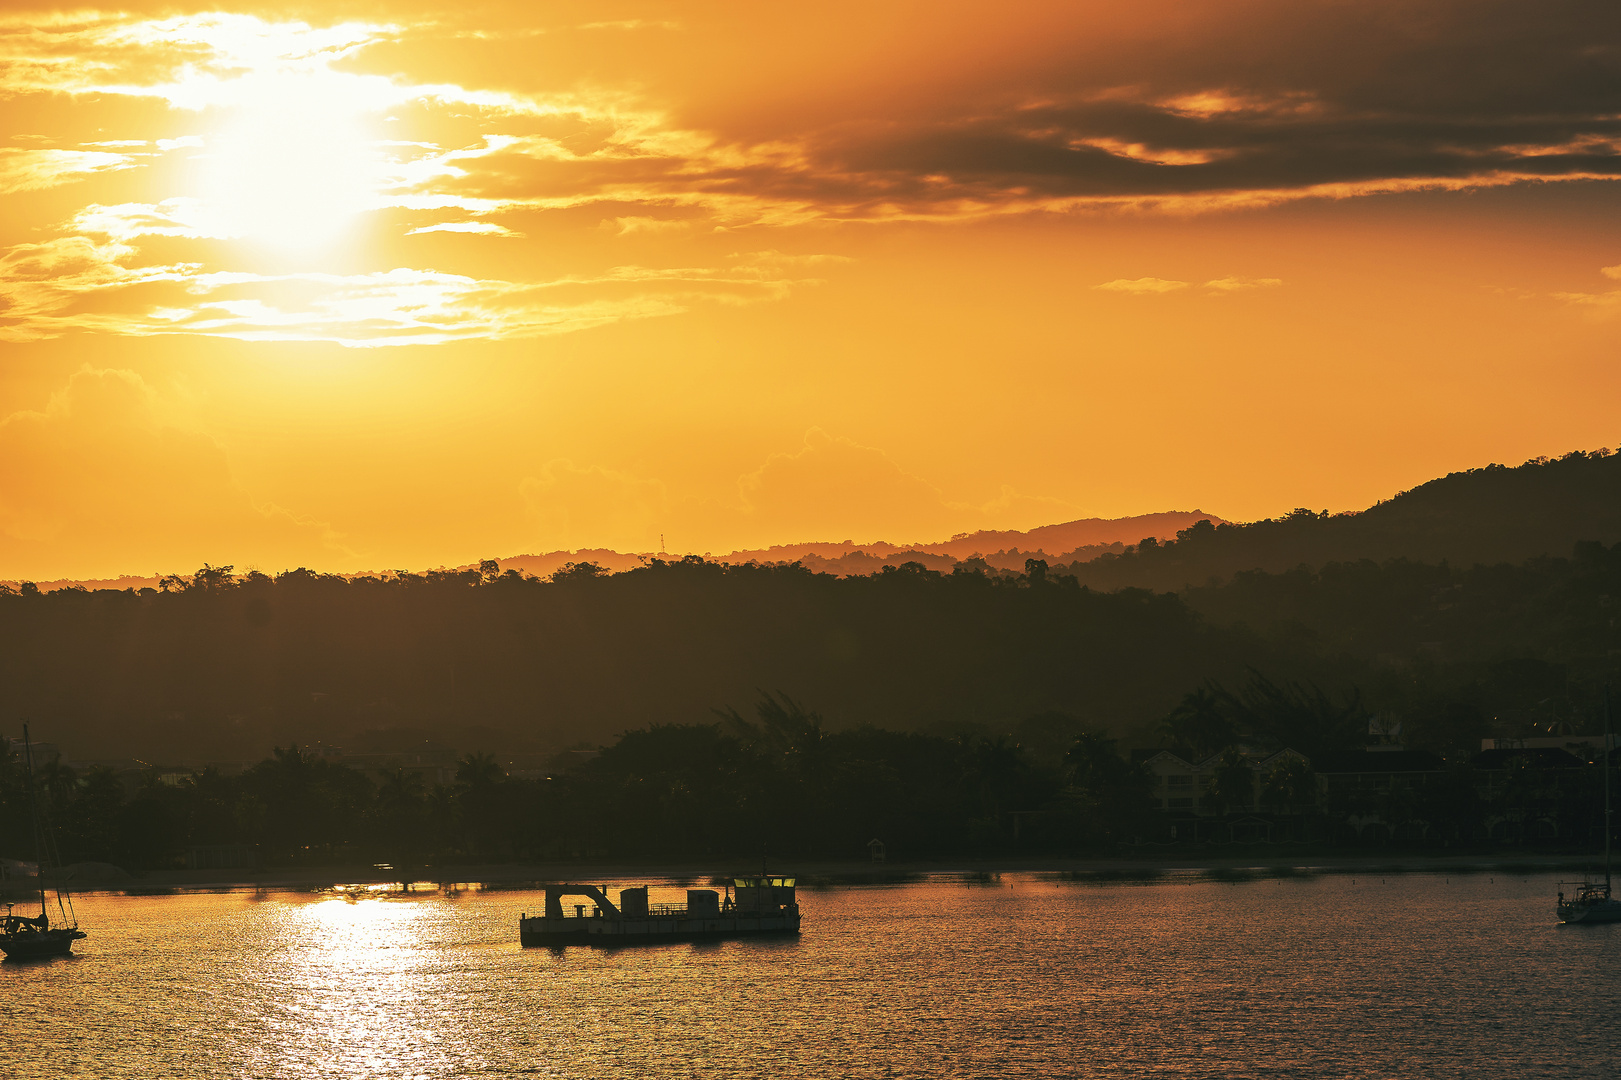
293	164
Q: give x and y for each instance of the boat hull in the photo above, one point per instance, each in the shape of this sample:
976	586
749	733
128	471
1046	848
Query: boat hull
39	944
544	931
1605	911
612	932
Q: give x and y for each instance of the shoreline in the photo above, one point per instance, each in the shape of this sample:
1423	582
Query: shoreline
496	877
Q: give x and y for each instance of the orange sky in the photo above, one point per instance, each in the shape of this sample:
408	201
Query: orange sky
400	285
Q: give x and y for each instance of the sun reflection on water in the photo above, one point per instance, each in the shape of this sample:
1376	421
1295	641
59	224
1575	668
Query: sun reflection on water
348	993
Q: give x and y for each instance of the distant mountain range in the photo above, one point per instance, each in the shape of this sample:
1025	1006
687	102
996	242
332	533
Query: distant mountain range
1495	514
1069	542
1007	550
1488	515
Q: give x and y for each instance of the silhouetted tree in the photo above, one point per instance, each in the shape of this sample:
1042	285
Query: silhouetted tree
1232	784
1200	723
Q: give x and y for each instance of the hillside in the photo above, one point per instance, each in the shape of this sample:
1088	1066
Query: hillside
1494	514
222	669
1388	603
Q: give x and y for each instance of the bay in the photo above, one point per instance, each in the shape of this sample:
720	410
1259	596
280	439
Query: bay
1329	976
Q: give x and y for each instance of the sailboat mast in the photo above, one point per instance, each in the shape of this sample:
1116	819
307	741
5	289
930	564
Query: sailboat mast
33	818
1606	787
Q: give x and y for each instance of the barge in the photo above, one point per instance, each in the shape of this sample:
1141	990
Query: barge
751	906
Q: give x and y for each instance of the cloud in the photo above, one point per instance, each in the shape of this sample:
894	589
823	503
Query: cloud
182	217
102	469
1153	286
33	170
1600	305
774	258
632	24
1168	107
1171	107
1143	286
475	228
572	506
829	488
51	287
192	61
835	488
1239	284
1174	108
47	289
627	226
1022	510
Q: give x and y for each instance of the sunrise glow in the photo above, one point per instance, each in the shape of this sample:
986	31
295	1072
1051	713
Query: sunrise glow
424	286
292	167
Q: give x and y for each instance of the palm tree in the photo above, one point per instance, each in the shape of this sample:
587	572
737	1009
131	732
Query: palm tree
1232	787
402	803
1200	723
58	782
479	771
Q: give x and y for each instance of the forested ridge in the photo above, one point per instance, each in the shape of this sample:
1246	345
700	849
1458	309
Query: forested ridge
1495	514
730	705
220	666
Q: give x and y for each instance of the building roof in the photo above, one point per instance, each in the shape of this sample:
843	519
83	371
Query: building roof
1541	757
1378	761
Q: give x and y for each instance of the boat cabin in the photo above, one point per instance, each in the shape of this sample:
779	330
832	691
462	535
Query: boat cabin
762	895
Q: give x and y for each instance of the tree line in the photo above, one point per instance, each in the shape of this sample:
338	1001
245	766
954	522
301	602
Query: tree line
777	780
780	781
220	666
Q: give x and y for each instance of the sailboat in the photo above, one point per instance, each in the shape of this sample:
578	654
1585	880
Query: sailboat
1592	902
25	937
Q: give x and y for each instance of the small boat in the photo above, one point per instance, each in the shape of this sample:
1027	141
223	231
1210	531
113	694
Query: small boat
753	905
24	937
1592	902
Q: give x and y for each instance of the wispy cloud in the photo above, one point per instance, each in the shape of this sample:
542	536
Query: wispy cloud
138	474
632	24
473	228
32	170
1600	305
1155	286
1143	286
1211	126
630	226
74	282
1239	284
1215	117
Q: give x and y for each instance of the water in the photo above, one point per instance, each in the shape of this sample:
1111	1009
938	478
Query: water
1326	977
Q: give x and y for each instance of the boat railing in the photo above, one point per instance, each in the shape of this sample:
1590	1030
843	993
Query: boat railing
667	910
